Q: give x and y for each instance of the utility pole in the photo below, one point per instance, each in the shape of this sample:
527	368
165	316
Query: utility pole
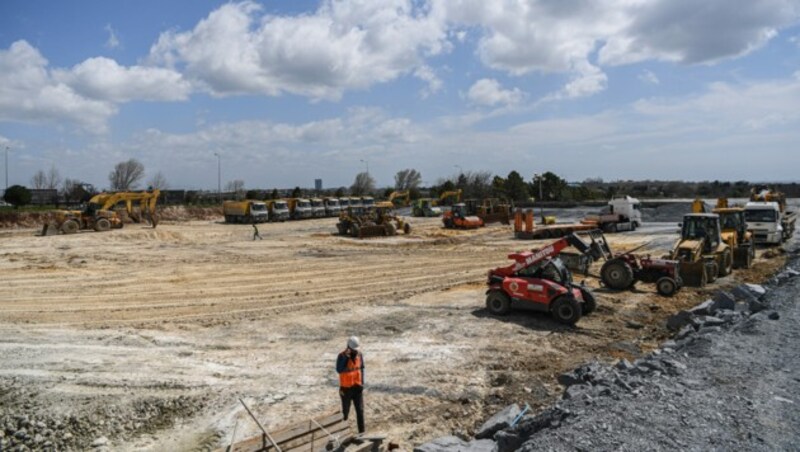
7	167
219	176
367	163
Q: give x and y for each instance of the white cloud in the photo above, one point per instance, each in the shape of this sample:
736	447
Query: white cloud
649	77
112	42
428	75
342	46
28	93
489	92
102	78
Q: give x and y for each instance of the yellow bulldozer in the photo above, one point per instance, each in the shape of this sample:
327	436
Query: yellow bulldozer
703	254
100	216
733	229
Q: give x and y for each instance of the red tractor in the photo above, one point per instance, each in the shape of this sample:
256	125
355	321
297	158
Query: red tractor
541	281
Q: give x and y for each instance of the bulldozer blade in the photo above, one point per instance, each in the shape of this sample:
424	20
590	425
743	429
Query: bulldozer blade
371	231
49	229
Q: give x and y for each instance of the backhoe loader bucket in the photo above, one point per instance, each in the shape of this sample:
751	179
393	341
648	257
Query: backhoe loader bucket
49	229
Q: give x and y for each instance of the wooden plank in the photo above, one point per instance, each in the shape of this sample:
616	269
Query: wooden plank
290	433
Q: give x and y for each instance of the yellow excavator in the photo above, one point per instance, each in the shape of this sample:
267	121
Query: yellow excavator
98	214
733	228
403	196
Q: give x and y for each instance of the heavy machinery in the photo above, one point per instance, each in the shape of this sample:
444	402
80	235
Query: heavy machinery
317	208
278	210
735	233
539	280
404	197
702	253
300	208
525	227
332	207
247	211
380	220
490	210
458	218
621	214
368	202
766	213
98	214
425	207
621	271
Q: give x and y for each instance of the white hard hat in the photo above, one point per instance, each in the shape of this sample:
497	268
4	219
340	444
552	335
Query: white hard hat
353	342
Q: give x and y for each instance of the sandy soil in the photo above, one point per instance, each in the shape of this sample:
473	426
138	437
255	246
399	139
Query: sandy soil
106	324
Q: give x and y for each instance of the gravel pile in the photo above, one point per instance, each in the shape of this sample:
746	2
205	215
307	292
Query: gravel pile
728	380
45	431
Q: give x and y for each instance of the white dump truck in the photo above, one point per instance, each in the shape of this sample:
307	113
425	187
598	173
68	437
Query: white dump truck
621	214
247	211
769	219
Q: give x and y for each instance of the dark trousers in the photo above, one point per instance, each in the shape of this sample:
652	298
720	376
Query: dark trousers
356	396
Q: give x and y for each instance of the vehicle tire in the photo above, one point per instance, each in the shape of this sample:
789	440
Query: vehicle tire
448	223
355	230
566	310
389	229
751	255
589	302
666	286
727	263
102	225
617	274
498	303
406	229
341	228
712	270
70	227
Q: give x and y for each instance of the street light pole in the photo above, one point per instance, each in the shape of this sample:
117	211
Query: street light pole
366	162
219	176
7	168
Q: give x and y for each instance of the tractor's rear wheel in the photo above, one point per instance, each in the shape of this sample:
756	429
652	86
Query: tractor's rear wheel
727	263
566	310
589	302
617	274
355	230
498	303
389	229
102	225
70	227
666	286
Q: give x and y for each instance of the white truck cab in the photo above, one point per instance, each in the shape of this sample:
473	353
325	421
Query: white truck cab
627	207
764	219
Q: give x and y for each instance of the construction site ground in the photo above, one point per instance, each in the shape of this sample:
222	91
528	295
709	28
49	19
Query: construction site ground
148	337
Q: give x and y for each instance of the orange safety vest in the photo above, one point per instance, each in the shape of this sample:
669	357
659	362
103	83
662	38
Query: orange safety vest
352	373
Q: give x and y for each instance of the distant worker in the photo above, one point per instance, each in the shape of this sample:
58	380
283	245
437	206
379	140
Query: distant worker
256	234
350	366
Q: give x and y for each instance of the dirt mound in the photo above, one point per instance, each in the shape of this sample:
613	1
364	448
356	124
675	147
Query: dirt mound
189	213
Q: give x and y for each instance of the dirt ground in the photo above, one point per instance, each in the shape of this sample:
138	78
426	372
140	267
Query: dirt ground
153	334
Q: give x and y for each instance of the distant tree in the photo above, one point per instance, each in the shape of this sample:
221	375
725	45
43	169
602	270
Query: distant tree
297	193
236	187
554	188
126	175
53	180
407	179
252	194
414	193
477	184
74	190
39	180
274	194
516	188
340	192
499	187
364	184
158	182
17	195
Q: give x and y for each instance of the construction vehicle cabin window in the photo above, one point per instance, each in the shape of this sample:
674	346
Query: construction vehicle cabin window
760	215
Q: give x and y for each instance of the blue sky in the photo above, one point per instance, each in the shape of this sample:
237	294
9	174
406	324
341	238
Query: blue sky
290	91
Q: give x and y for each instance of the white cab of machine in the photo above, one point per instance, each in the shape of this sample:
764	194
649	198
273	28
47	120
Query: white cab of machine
764	219
627	207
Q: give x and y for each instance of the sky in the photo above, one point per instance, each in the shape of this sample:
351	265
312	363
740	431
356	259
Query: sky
285	92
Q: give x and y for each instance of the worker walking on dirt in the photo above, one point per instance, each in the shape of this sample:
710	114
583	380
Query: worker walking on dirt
350	366
256	234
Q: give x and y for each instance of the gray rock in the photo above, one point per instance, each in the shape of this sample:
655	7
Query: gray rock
704	308
634	325
479	445
684	332
723	300
707	321
574	392
678	320
100	442
498	422
773	315
623	364
443	444
743	293
756	306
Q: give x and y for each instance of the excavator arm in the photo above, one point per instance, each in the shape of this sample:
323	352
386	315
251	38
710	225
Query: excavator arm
405	195
449	194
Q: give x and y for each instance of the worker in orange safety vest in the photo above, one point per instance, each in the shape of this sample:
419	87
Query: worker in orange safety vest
350	366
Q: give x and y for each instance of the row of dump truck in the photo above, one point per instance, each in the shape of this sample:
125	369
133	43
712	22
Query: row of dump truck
255	211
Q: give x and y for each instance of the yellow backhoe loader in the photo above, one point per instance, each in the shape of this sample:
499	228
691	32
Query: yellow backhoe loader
403	196
100	216
703	254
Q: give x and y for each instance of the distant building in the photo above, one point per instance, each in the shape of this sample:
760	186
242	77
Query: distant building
318	185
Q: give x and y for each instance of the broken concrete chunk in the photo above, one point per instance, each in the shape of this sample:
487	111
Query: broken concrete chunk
704	308
723	300
756	306
443	444
479	445
623	364
773	315
498	422
679	320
